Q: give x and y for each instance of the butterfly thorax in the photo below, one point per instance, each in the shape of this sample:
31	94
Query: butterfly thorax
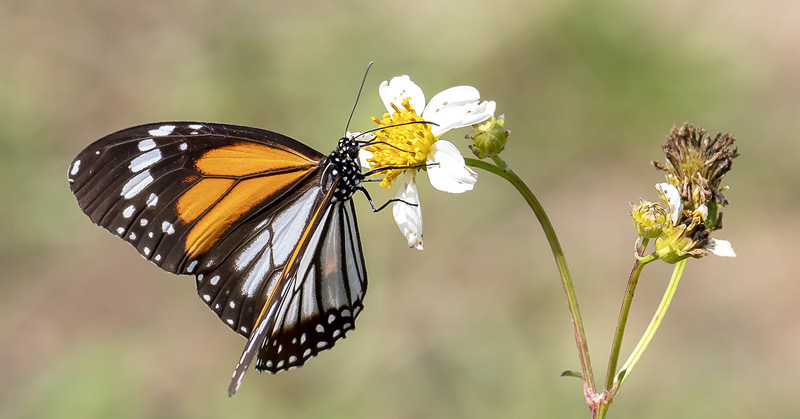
343	163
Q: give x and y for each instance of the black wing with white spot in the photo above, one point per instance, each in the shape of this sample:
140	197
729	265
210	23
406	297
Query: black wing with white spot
291	303
174	189
324	298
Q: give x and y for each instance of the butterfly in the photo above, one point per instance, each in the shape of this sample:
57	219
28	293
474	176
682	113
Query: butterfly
265	223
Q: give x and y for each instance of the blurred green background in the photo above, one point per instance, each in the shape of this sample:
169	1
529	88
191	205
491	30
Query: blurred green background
475	325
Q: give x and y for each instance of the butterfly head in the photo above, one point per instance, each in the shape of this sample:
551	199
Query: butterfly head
349	147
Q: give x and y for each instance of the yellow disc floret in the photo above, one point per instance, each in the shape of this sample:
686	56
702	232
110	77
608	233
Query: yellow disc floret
399	145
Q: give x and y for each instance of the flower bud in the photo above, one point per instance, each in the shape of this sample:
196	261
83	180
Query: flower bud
489	137
648	219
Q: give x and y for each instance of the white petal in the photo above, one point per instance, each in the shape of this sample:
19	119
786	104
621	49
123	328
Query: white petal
454	96
457	107
363	155
720	248
409	217
447	171
673	198
399	88
703	210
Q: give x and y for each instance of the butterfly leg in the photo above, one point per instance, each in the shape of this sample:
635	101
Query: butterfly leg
372	204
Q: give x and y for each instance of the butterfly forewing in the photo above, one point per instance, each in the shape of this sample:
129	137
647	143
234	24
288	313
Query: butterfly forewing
173	190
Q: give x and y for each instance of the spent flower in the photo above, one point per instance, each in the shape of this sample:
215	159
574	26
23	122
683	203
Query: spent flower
687	234
696	164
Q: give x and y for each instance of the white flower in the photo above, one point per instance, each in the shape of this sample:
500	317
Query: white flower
407	144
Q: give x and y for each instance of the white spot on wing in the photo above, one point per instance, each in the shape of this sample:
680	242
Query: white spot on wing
162	130
168	228
152	200
136	184
147	144
120	230
191	266
157	258
75	167
145	160
143	222
183	146
147	251
206	297
215	280
195	126
127	212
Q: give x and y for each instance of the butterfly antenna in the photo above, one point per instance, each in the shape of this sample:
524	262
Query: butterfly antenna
392	126
346	128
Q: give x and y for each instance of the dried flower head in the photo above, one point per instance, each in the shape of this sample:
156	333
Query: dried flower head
696	164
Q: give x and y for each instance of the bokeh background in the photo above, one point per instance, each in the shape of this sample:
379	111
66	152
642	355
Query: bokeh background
475	325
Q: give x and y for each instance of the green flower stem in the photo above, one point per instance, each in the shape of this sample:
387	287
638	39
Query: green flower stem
669	294
506	173
625	310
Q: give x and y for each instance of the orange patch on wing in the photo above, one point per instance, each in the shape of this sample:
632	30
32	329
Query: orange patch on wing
243	197
248	158
201	197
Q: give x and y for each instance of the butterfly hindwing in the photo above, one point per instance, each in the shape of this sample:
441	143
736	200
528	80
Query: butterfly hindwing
325	296
236	277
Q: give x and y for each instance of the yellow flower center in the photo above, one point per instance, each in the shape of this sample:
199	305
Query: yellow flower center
399	145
